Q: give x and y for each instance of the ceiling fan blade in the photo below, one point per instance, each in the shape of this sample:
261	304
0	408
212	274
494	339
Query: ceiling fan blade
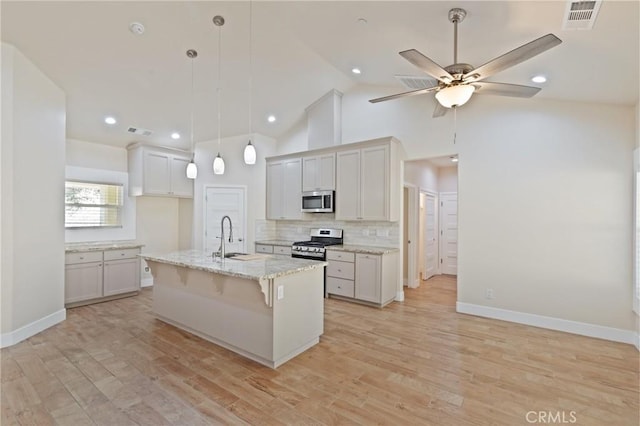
402	95
427	65
439	111
503	89
512	58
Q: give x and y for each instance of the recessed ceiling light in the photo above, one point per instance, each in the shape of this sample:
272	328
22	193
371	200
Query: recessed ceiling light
539	79
110	120
175	135
356	70
454	159
137	28
271	118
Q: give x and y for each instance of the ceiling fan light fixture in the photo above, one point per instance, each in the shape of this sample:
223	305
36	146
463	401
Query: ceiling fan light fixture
455	96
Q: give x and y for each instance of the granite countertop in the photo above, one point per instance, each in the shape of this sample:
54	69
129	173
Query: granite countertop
363	249
283	243
267	268
100	245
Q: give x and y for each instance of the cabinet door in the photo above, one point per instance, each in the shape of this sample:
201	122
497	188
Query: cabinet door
181	186
310	174
156	173
121	276
292	191
368	278
326	177
348	185
275	188
82	281
374	172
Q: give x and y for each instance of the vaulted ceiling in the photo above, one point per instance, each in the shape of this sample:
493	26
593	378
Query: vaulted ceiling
300	50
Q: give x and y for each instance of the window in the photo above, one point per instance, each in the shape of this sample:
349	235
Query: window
92	205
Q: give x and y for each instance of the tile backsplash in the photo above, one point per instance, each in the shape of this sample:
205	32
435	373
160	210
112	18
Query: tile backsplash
380	234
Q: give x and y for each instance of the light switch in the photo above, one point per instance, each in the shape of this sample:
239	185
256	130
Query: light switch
280	292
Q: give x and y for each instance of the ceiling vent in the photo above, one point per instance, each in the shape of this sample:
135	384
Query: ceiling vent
139	131
581	15
415	83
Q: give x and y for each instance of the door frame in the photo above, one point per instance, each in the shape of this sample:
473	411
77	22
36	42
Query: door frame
436	218
204	210
413	278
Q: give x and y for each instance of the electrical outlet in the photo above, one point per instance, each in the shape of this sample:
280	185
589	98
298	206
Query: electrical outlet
280	292
382	232
488	294
365	232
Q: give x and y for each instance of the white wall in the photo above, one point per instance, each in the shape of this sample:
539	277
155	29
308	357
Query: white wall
95	156
33	144
236	173
544	205
421	174
448	179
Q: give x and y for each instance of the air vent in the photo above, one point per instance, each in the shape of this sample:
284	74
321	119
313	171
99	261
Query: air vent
414	83
581	15
139	131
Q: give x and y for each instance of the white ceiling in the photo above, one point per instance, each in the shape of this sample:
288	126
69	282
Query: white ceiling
301	50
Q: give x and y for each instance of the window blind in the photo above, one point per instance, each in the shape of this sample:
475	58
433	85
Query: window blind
91	205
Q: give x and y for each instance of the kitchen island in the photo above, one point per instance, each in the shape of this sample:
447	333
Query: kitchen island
269	309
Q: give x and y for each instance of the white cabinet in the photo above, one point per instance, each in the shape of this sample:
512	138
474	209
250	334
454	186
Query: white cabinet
364	185
272	249
158	171
94	276
284	189
318	173
361	277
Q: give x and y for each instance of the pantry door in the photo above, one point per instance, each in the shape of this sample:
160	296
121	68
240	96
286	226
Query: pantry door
223	201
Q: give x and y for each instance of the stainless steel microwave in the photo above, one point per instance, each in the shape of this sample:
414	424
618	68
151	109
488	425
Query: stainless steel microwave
317	202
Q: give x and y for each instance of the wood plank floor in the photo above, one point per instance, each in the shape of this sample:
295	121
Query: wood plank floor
411	363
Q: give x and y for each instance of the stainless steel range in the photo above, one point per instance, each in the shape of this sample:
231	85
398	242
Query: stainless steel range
315	248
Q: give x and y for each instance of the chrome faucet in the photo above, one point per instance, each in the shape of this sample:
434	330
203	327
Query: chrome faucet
221	251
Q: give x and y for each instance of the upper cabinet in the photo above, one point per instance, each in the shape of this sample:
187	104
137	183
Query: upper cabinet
158	171
367	183
284	189
318	173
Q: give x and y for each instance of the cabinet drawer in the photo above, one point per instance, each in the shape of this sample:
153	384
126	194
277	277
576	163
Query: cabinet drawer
341	255
340	270
340	287
83	257
262	248
282	250
121	254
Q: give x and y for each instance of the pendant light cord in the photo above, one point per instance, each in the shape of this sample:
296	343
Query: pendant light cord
192	98
250	69
219	78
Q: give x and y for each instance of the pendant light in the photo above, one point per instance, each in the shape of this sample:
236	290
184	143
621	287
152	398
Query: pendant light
218	162
192	169
250	150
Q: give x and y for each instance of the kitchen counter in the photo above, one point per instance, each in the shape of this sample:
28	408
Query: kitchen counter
281	243
363	249
268	310
100	246
263	269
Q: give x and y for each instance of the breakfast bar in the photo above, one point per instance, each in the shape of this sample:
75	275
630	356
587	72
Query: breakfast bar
267	308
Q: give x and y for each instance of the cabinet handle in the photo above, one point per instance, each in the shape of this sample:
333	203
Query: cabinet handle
121	254
339	270
81	257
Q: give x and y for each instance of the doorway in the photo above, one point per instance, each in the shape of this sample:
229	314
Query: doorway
223	201
429	234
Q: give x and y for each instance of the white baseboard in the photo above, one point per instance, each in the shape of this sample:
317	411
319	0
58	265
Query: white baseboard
399	296
146	282
568	326
26	331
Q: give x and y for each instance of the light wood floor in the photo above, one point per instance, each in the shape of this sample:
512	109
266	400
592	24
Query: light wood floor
411	363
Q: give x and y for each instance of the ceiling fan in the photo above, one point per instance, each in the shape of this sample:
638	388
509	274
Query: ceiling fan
456	83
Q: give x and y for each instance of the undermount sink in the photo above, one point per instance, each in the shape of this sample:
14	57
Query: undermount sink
234	254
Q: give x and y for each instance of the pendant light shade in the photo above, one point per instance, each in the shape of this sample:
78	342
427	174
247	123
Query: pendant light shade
455	96
218	165
249	153
192	170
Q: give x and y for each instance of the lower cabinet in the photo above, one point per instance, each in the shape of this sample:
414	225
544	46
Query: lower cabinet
95	276
361	277
271	249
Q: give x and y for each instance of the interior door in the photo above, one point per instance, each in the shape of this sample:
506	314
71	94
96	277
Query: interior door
221	201
449	233
430	237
